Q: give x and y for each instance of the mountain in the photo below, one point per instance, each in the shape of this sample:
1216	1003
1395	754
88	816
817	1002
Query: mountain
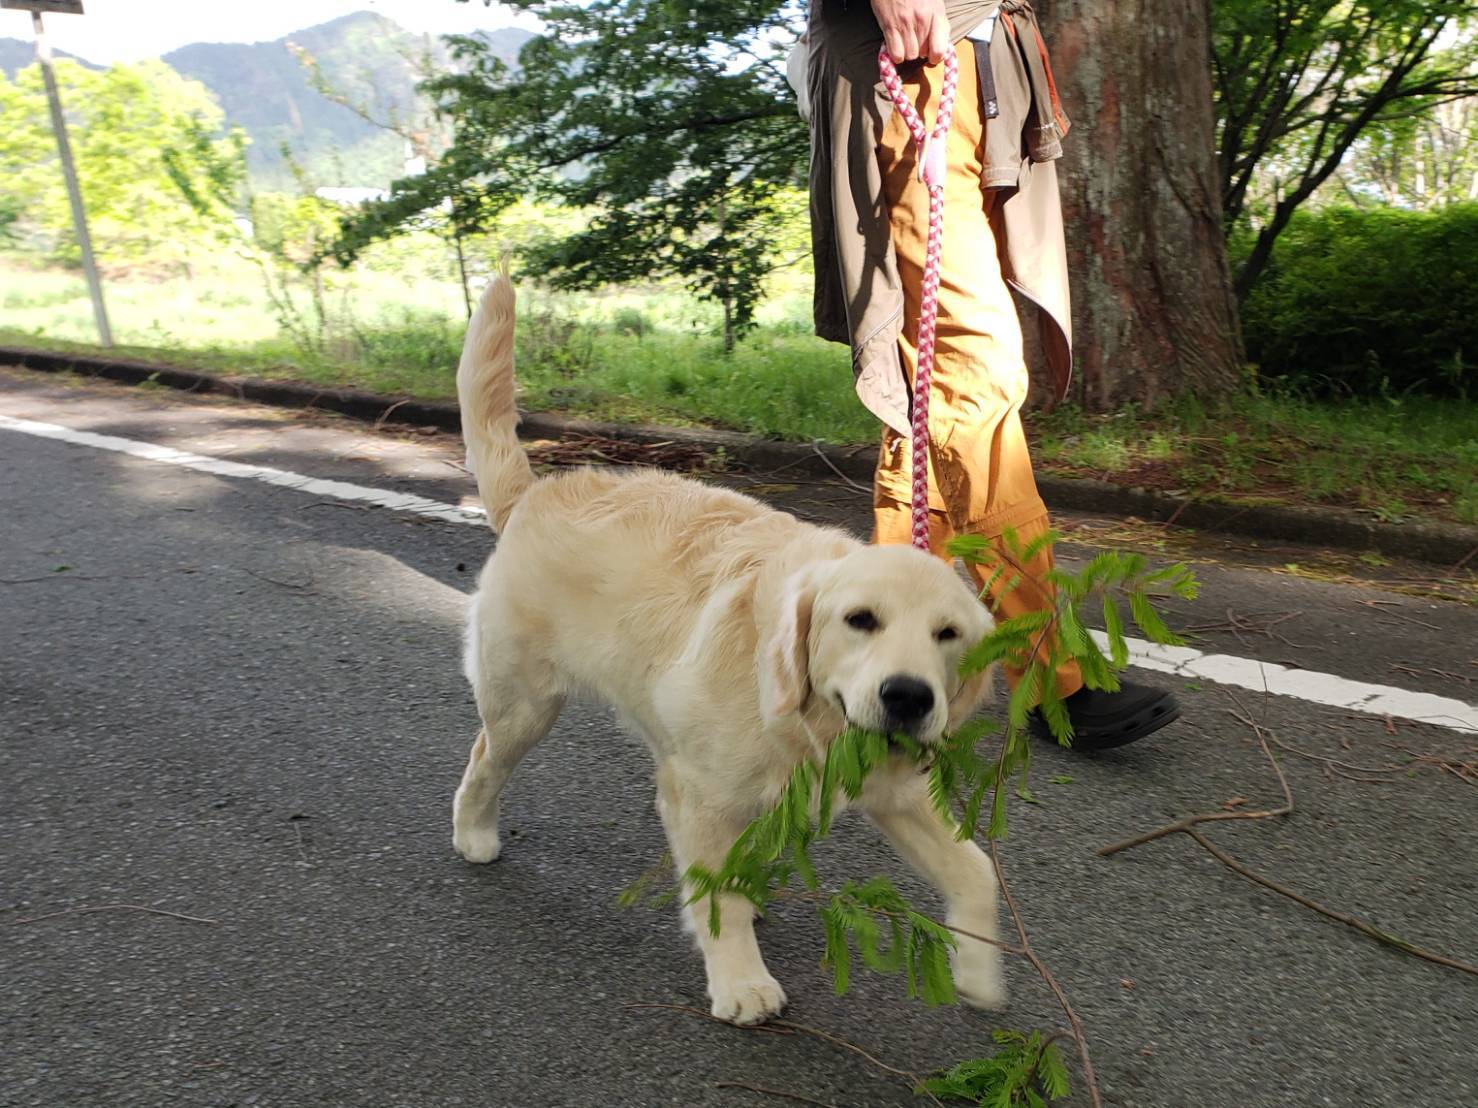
16	54
265	89
370	60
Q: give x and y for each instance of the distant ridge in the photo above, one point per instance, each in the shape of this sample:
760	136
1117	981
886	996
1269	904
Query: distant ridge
370	59
265	91
16	54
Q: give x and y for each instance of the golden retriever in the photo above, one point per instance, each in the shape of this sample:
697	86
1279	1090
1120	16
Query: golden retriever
734	639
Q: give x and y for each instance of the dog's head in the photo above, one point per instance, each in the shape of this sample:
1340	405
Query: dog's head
878	634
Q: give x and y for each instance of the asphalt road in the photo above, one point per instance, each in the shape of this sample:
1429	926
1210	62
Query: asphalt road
243	703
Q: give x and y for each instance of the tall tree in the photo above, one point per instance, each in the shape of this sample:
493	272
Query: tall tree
1153	312
1298	82
123	122
671	125
1419	161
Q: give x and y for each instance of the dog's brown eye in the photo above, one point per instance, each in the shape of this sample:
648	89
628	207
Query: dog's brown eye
863	620
945	634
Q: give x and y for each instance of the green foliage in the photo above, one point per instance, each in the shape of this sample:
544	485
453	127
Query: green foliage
1297	82
286	239
395	323
675	134
629	321
871	920
860	915
10	214
1370	303
1025	1071
1410	455
138	133
1421	160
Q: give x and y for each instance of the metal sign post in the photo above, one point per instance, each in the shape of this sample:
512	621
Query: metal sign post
64	148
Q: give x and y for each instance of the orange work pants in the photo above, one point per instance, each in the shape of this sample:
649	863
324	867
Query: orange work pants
980	476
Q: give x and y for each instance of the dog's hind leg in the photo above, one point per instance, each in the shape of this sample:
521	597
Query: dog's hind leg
959	870
510	730
700	833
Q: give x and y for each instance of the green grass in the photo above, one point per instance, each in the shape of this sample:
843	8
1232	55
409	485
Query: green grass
775	384
653	355
1395	458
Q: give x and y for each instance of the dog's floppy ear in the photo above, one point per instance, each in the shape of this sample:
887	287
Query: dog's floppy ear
784	663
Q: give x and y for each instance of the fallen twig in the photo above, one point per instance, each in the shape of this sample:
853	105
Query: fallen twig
1465	769
1188	826
1238	624
1187	823
1089	1078
1462	773
787	1027
1311	756
599	450
380	422
1350	921
1184	504
117	908
816	447
1381	605
1443	673
917	1081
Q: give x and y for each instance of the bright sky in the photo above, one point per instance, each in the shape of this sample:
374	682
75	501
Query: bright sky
127	30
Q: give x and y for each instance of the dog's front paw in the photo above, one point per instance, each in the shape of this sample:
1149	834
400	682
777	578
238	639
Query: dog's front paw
747	1001
477	844
979	981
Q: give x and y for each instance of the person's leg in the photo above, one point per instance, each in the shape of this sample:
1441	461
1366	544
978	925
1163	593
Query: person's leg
892	499
980	473
981	478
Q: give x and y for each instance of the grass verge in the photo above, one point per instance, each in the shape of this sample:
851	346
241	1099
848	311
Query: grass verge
1396	458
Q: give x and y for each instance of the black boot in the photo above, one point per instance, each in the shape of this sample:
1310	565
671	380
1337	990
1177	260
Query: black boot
1103	720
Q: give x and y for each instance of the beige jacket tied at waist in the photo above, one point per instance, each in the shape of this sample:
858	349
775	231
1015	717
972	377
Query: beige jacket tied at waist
859	299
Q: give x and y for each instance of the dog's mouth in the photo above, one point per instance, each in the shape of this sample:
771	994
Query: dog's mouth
904	741
915	748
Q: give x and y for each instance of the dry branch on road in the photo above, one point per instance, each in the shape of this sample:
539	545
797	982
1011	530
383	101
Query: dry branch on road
1189	826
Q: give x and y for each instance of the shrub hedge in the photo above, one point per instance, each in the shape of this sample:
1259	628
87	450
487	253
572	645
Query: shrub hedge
1369	302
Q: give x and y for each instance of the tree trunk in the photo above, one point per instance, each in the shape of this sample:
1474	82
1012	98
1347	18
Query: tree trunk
1153	310
462	269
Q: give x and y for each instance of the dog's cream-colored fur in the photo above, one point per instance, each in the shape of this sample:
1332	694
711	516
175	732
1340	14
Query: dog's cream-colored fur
718	629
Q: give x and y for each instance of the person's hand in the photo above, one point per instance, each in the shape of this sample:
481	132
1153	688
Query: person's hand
913	29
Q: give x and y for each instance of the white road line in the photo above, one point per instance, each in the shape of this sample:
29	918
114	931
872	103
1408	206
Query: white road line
337	490
1305	684
1223	669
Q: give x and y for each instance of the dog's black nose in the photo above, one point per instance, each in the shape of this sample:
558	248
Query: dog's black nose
907	699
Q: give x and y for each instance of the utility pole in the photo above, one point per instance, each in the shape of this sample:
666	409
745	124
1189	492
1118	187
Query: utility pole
64	148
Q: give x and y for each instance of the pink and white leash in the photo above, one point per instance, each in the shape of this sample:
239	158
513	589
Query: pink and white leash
931	145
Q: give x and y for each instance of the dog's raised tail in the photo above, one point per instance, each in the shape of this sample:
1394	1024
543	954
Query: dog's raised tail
485	395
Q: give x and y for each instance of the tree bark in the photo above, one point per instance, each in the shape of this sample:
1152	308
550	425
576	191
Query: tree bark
1153	310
